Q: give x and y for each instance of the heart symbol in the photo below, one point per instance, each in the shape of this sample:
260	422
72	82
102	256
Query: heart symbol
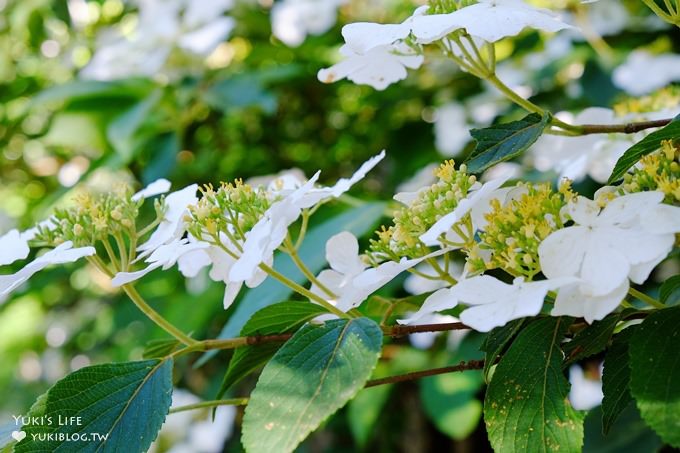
19	435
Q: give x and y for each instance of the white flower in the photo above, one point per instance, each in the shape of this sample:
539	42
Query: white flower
643	72
605	247
379	67
490	20
364	36
342	255
493	303
195	27
585	393
370	280
271	230
172	225
293	20
478	199
64	253
158	187
13	247
164	257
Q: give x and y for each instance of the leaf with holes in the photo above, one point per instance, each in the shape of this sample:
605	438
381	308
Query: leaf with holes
312	376
283	317
647	145
655	373
502	142
103	408
525	408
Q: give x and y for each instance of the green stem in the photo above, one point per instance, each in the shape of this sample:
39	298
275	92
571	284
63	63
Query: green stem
290	249
156	317
214	403
303	291
645	298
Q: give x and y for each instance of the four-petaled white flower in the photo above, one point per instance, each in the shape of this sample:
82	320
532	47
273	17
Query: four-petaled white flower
607	246
64	253
342	255
492	302
490	20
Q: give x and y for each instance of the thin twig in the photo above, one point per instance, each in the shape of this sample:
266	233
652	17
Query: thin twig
462	366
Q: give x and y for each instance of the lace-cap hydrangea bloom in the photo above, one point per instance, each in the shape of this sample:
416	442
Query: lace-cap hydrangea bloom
62	254
271	230
492	302
379	67
490	20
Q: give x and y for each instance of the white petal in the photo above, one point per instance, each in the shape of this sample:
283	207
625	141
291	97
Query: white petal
13	247
191	263
561	253
157	187
661	219
440	300
364	36
231	293
623	210
583	211
123	278
171	226
342	253
639	273
571	301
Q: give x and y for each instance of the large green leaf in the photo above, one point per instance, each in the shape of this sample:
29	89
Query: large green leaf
655	373
591	340
278	318
116	407
497	341
502	142
647	145
628	435
313	375
358	221
525	407
615	379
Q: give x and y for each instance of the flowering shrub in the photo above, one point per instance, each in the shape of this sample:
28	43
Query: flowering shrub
544	271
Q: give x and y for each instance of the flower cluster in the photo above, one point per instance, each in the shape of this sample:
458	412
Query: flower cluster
657	171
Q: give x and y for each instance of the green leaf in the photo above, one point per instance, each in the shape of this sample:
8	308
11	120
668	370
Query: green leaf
135	88
496	342
616	378
525	407
118	407
158	349
628	434
668	289
364	411
502	142
450	402
162	157
591	340
655	373
313	375
647	145
283	317
122	131
358	221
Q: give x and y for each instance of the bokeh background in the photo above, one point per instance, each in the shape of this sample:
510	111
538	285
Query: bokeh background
95	93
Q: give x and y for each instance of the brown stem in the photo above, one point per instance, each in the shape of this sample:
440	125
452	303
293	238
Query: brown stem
462	366
629	128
